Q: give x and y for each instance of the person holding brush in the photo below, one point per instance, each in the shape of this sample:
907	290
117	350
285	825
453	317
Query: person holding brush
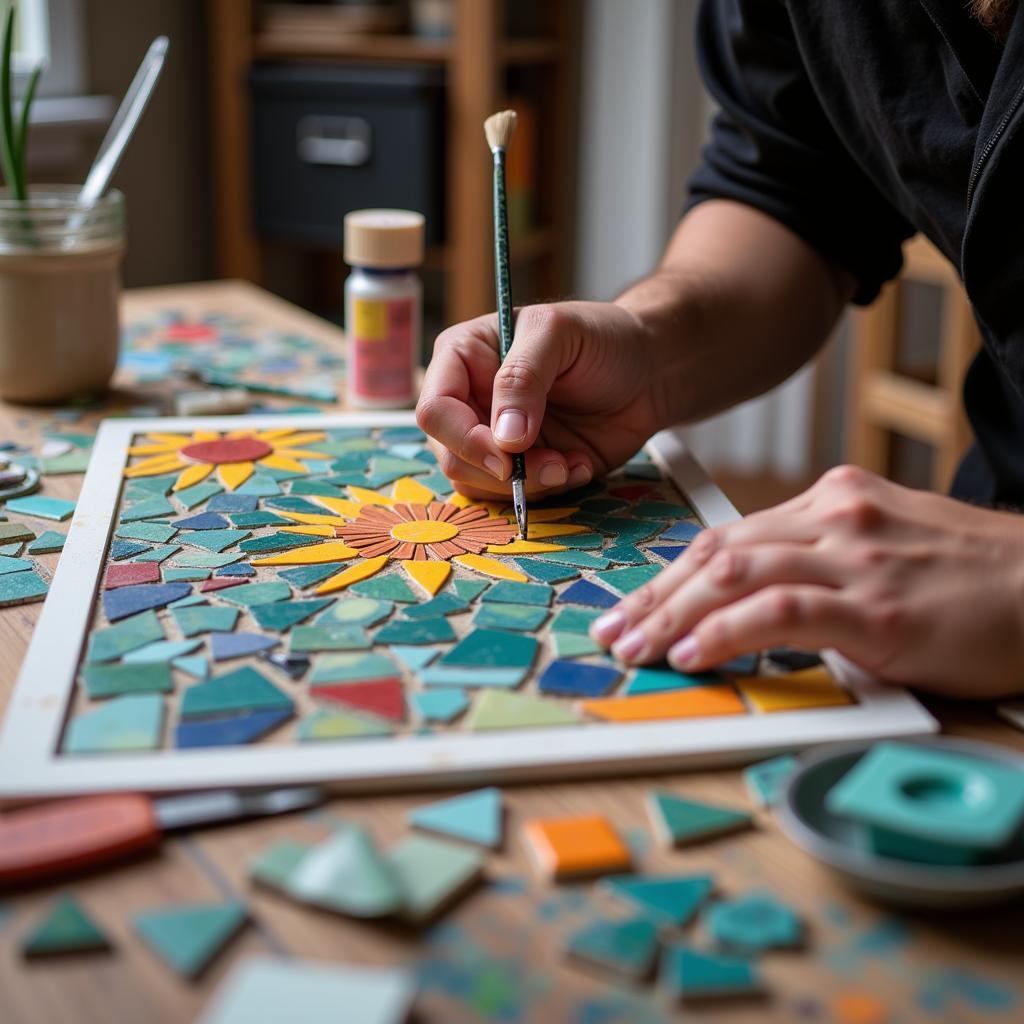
842	129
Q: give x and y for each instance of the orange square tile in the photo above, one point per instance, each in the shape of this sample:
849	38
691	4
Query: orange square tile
576	847
795	691
696	702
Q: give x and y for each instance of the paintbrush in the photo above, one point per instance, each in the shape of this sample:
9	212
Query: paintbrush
499	128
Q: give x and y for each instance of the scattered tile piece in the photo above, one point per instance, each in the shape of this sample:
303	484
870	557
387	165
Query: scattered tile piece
588	594
574	645
336	724
510	592
66	928
469	590
155	533
382	697
149	508
303	576
244	689
70	462
282	615
522	618
11	532
225	646
388	587
432	873
233	503
440	705
9	564
670	554
274	864
681	531
415	631
764	780
752	923
574	620
625	554
127	574
546	572
132	722
690	974
157	554
658	680
500	709
202	521
577	559
228	730
113	641
126	548
671	900
195	495
125	601
575	679
795	691
213	540
21	587
443	604
625	947
113	680
414	658
260	593
173	575
576	847
195	619
42	507
356	611
187	938
194	665
492	647
678	821
329	637
47	543
625	581
696	702
476	817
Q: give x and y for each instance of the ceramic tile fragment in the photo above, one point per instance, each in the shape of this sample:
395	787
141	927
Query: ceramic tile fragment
576	559
468	589
574	620
764	780
795	691
212	540
588	594
743	665
341	668
195	495
157	554
274	864
126	574
491	567
443	604
125	601
576	679
244	689
415	631
193	665
329	637
625	581
574	645
150	508
70	462
510	592
670	554
155	533
173	575
187	938
21	588
222	583
259	593
202	521
444	704
388	587
625	554
382	697
671	900
113	680
522	618
576	847
754	922
126	548
431	576
492	647
252	520
681	531
111	642
647	509
337	724
658	680
48	542
232	503
11	532
12	550
161	651
306	575
9	564
345	873
66	928
432	873
41	507
282	615
454	675
691	974
546	572
131	722
225	646
195	619
678	821
228	730
626	947
312	991
696	702
297	548
355	611
475	817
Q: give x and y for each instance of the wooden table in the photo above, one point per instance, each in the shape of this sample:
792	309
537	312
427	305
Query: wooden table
496	955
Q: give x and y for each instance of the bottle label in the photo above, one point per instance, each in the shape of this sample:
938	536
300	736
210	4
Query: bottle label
381	348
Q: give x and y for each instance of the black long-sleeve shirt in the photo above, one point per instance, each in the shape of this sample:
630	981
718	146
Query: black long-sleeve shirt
856	124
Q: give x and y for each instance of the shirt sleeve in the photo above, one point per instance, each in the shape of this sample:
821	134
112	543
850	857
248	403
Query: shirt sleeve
773	147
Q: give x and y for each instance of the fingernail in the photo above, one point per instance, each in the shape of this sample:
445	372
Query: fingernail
511	426
605	629
630	646
579	475
684	653
494	466
551	474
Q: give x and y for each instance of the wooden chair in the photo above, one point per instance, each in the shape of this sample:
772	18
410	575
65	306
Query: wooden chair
883	401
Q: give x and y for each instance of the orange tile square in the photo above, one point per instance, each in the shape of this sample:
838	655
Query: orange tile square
795	691
696	702
576	847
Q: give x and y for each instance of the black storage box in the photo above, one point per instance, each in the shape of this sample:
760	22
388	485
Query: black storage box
330	139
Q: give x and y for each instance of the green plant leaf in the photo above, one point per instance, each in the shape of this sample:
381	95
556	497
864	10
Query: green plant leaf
6	114
21	138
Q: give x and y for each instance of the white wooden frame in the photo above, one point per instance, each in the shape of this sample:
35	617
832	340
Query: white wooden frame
31	765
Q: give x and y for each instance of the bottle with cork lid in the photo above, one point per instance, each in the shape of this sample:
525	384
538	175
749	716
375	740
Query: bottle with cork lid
383	307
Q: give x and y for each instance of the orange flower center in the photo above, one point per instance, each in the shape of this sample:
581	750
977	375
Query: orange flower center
227	449
424	531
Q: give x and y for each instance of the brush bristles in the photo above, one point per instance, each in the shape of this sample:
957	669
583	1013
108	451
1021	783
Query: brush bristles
499	128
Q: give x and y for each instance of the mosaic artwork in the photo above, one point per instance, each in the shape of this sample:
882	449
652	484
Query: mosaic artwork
289	585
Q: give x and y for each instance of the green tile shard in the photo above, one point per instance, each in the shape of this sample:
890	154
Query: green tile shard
512	592
275	865
389	587
500	709
671	900
127	635
244	689
476	817
22	587
47	543
692	974
257	593
492	647
332	724
154	533
433	873
521	618
132	722
41	506
329	638
413	631
625	581
356	611
625	947
202	618
282	615
678	821
187	938
212	540
66	928
114	680
469	589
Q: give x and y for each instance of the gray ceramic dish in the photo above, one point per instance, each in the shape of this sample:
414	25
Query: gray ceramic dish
839	843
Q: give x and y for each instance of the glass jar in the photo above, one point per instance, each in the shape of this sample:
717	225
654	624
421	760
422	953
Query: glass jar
60	282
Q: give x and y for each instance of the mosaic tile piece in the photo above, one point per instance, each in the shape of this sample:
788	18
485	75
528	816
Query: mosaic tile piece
509	592
360	570
468	589
155	533
356	611
691	974
576	847
546	572
625	581
9	564
574	645
696	702
431	576
194	665
475	817
335	724
244	689
388	587
65	928
415	631
577	559
125	549
678	821
443	604
282	615
754	922
187	938
647	509
41	507
228	730
11	550
329	637
260	593
274	865
575	620
409	490
626	947
501	709
150	508
575	679
453	675
192	497
254	520
298	548
202	521
384	698
672	900
225	646
491	567
795	691
764	780
69	463
625	554
295	666
161	651
232	503
204	559
343	668
682	531
126	574
433	873
125	601
440	705
236	569
173	575
212	540
517	617
482	648
414	657
670	554
306	575
157	554
113	680
588	594
108	643
131	722
658	680
11	532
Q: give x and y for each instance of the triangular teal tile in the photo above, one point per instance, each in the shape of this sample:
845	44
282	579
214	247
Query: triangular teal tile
546	572
258	593
212	540
127	635
658	680
132	722
161	651
678	821
195	666
765	779
66	928
691	974
388	587
475	816
443	604
626	947
356	611
188	938
47	543
441	705
303	576
262	485
671	900
204	618
283	615
195	495
414	658
205	560
22	587
244	689
468	589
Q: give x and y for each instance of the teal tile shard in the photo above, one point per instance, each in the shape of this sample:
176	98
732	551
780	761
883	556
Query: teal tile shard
113	680
353	667
345	873
113	641
677	821
275	864
12	550
625	554
580	540
574	645
132	722
492	648
195	619
47	543
173	575
389	587
521	618
661	510
456	675
162	650
433	873
764	780
754	922
193	665
187	938
546	572
66	928
626	947
244	689
469	589
691	974
8	564
150	508
440	705
21	587
475	817
658	680
330	637
671	900
511	592
258	593
282	615
575	620
212	540
252	520
303	576
269	543
411	631
157	554
262	485
41	507
357	611
228	730
152	484
443	604
224	646
192	497
577	559
70	462
336	724
154	533
625	581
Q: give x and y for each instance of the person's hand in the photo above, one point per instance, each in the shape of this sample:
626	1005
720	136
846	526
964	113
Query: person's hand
576	393
916	588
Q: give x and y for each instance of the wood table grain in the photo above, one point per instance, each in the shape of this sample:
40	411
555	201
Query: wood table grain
497	954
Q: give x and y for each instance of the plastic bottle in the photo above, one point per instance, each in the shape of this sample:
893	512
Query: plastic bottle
383	307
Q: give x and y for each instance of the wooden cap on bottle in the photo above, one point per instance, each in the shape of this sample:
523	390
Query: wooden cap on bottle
385	239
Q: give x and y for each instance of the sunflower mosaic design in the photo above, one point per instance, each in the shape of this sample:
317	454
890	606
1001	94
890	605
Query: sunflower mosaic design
233	456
